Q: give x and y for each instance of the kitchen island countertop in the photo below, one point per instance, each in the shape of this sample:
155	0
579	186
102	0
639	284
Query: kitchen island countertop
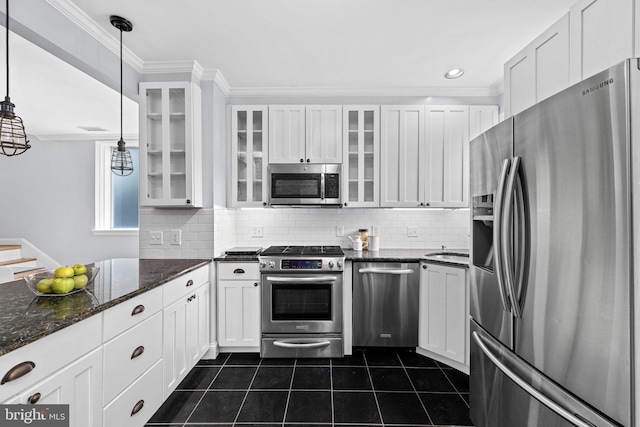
25	318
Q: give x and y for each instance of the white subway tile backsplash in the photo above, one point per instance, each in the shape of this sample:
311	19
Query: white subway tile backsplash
207	233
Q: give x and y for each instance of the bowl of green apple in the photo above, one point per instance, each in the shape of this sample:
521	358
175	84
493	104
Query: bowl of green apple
64	280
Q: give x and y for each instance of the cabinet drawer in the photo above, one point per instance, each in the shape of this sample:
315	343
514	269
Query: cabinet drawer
183	285
127	356
129	313
145	392
238	271
49	354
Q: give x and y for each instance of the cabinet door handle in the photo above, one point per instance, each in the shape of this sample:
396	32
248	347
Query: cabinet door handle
238	271
17	371
33	399
189	282
301	160
138	309
137	352
137	407
255	284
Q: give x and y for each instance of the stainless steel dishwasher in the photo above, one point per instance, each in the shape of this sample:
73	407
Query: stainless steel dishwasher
385	304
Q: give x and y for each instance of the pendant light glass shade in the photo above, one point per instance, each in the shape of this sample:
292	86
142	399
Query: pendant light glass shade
121	162
13	138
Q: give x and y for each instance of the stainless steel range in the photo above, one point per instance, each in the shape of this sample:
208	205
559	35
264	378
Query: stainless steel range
301	301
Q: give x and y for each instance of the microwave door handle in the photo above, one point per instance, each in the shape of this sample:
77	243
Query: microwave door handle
322	186
310	279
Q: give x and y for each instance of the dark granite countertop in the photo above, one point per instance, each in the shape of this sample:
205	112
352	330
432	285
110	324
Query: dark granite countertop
25	318
405	255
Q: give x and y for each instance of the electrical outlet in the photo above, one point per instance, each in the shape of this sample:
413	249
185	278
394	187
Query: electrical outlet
176	237
339	230
155	237
256	231
412	231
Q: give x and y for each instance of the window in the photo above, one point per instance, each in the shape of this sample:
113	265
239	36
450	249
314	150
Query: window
116	196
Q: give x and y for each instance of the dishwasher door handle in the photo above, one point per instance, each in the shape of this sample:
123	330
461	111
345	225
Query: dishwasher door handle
386	270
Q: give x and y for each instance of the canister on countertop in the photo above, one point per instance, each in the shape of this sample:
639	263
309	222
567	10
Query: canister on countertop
364	236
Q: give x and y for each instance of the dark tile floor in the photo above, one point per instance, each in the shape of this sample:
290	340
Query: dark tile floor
374	387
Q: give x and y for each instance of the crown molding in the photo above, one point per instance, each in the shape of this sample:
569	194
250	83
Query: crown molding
361	91
216	75
163	67
82	20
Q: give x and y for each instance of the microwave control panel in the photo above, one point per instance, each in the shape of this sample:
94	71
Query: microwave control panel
331	186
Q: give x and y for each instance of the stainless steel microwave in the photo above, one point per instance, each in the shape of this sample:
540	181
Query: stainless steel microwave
304	184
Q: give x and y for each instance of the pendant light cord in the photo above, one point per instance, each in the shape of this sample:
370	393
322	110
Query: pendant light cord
7	46
120	84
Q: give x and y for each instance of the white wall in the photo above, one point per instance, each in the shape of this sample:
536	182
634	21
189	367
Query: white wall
48	198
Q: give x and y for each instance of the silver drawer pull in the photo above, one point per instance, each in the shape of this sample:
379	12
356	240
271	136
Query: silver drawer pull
137	352
307	345
137	310
189	282
137	407
18	371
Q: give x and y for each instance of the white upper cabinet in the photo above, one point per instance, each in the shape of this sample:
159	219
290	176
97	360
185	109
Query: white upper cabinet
447	177
305	134
402	155
538	71
361	159
602	34
170	144
286	133
323	134
249	130
481	118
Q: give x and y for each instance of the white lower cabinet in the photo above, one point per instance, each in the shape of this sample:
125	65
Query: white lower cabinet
239	306
444	314
79	385
138	402
185	326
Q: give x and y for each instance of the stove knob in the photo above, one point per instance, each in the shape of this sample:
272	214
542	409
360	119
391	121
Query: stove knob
331	264
263	264
272	264
340	265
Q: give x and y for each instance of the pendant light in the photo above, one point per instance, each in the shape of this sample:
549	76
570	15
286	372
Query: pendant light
121	163
13	138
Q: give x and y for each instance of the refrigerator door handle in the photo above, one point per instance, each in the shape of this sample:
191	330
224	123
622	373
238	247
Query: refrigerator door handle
497	234
507	237
566	413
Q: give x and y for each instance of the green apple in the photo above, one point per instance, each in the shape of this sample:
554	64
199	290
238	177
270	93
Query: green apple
62	285
64	271
44	285
79	269
80	281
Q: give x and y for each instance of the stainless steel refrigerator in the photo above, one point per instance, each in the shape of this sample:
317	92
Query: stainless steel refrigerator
555	231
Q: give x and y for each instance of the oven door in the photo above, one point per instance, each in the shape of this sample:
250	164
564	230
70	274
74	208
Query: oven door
302	303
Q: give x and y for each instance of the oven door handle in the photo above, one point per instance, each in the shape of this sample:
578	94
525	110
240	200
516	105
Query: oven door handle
307	345
310	279
386	270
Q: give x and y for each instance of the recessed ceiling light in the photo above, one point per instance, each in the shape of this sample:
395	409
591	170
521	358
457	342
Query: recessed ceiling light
454	73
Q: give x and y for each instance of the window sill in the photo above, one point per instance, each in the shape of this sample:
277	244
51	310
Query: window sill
117	232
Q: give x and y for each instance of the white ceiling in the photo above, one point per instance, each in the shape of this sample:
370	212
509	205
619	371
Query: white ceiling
320	46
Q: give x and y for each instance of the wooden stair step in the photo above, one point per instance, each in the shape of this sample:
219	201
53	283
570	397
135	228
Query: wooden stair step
21	274
10	247
16	261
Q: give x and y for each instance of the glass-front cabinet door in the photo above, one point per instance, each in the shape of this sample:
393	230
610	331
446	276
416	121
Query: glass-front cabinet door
170	144
361	156
249	155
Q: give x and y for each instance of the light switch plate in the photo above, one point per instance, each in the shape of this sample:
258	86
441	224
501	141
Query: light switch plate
412	231
176	237
155	237
256	231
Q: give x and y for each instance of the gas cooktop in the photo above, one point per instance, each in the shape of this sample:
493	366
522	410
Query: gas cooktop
301	251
